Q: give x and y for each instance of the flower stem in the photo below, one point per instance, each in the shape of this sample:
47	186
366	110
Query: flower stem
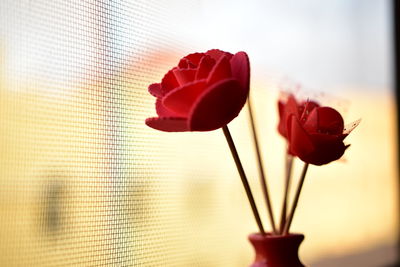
289	165
243	178
296	200
263	179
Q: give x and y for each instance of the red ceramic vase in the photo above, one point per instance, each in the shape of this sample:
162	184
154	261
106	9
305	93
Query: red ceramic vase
276	251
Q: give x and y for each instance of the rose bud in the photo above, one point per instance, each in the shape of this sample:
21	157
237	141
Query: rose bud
203	93
289	107
317	136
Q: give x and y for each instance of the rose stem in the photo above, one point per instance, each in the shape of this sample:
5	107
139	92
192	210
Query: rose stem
289	165
243	178
263	179
296	200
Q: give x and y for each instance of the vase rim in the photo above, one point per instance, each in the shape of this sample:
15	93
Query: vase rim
259	236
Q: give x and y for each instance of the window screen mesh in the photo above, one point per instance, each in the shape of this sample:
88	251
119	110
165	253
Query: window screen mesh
85	183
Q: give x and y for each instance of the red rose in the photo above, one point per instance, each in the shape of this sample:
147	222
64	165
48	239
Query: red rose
317	137
203	93
291	107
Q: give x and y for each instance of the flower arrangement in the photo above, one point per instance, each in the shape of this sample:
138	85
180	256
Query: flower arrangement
206	91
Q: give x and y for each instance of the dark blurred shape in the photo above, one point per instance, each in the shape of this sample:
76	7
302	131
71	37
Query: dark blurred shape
396	69
376	257
52	207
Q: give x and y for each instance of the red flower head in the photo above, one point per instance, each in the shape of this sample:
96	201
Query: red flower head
203	93
316	137
291	107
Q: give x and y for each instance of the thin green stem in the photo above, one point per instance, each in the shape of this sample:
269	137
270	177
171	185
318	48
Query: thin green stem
243	178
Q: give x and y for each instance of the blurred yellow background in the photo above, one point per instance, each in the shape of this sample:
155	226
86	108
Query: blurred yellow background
83	182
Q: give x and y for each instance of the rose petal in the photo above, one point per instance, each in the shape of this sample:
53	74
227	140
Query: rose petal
240	66
168	124
169	82
292	107
300	143
184	63
181	100
217	106
311	122
305	109
163	111
221	71
195	58
327	149
282	121
184	76
324	120
205	66
281	109
329	120
216	54
321	138
155	89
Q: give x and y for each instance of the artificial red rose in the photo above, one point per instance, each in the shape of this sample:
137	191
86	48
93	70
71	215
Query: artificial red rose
203	93
317	137
292	107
